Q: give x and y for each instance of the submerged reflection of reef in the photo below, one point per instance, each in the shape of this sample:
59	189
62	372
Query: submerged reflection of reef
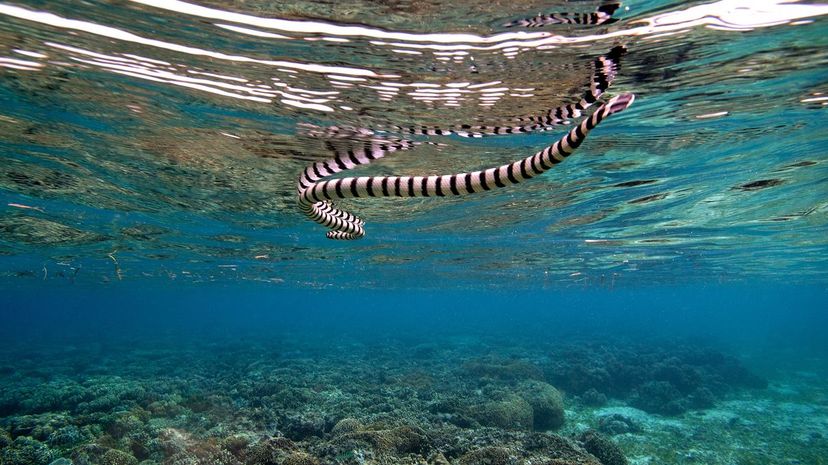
39	231
312	402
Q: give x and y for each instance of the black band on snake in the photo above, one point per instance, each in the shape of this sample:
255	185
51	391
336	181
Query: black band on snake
316	194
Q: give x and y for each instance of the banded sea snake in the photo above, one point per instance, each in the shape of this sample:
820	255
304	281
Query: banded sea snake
602	15
316	194
605	69
604	72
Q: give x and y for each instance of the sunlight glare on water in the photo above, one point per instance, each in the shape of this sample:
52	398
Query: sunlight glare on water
164	139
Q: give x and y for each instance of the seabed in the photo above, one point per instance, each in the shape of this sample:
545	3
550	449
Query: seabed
460	400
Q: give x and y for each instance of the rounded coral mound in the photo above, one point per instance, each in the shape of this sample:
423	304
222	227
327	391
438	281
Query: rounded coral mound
546	403
602	448
402	439
511	412
345	426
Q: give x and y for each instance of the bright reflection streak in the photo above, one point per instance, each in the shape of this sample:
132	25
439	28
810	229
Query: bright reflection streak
310	106
170	78
256	93
317	27
485	84
736	15
712	115
15	61
728	15
23	65
30	54
114	33
739	14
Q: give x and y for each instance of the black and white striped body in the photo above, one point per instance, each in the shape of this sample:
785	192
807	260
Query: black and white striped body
316	194
600	16
604	73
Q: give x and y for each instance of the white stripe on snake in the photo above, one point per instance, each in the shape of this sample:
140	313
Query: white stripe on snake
316	194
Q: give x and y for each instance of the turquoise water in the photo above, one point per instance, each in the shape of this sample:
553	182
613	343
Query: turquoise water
119	143
656	298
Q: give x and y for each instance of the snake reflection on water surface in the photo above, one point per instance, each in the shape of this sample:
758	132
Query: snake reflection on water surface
316	194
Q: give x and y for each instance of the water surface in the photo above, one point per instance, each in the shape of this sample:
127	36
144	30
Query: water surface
164	140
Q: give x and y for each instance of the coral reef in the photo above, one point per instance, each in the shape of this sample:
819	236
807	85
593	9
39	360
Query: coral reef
345	426
487	456
117	457
504	370
602	448
668	380
300	458
305	403
5	439
511	412
616	423
270	451
593	398
546	402
26	451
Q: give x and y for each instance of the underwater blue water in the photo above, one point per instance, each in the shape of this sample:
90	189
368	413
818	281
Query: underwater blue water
158	141
96	359
763	318
659	297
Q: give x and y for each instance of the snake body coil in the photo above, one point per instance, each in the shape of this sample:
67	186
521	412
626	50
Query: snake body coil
316	194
